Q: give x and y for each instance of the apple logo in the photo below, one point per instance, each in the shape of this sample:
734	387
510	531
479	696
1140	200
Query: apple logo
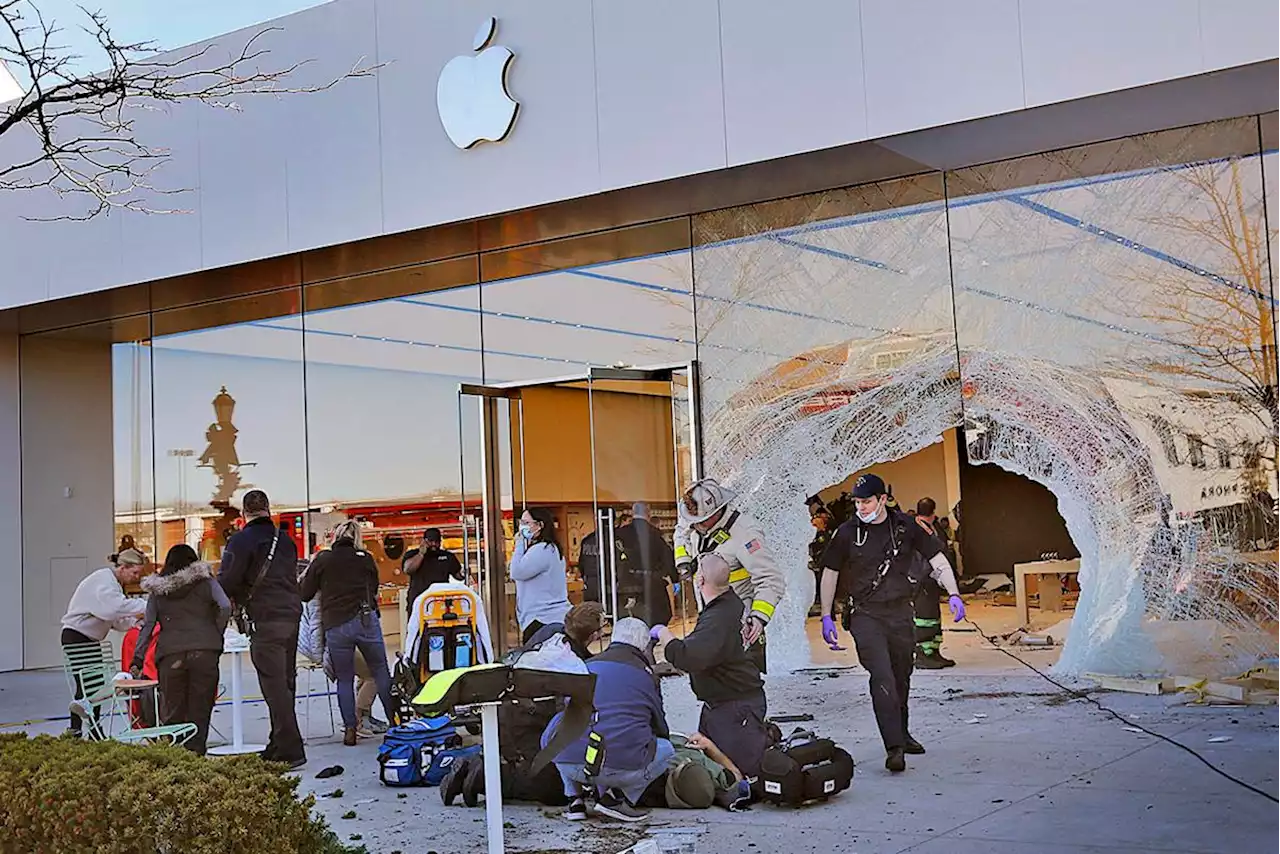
471	94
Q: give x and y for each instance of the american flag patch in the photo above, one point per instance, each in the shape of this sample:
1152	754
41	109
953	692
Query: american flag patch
753	546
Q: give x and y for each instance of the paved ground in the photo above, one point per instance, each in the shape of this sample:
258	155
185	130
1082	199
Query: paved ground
1013	765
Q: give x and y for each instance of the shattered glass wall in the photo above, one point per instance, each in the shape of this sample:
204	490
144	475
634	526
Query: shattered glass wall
1099	319
826	340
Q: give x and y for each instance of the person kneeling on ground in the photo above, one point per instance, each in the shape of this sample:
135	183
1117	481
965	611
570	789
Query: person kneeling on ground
722	674
522	722
633	726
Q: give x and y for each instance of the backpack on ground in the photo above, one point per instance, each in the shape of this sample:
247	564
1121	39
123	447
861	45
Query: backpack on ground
443	760
803	767
408	751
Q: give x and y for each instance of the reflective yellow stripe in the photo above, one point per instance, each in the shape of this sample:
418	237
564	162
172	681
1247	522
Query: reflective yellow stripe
681	551
765	609
739	574
721	536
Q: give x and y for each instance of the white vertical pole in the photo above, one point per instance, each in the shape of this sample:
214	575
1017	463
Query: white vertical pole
237	702
492	776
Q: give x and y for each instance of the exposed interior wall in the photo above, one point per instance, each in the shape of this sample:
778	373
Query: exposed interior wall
1008	519
10	507
926	473
67	483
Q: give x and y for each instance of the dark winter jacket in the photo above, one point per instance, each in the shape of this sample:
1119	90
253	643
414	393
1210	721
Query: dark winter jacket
653	562
191	610
275	598
346	579
629	713
719	668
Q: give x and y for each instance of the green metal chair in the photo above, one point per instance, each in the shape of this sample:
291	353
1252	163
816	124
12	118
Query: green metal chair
89	668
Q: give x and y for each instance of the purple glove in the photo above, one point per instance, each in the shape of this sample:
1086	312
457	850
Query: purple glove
957	608
829	633
653	632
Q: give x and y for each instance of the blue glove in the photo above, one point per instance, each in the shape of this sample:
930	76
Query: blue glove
653	632
957	608
675	588
829	633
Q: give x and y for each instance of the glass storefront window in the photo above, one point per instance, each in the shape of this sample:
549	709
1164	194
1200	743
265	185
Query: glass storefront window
229	415
1115	316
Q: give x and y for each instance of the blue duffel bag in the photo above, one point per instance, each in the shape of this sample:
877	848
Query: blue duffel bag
409	751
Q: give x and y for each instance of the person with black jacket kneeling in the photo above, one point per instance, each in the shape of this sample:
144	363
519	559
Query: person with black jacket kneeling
722	674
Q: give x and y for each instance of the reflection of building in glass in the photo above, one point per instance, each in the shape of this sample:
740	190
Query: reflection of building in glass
220	454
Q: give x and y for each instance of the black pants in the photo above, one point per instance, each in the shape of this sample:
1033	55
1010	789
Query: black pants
817	591
188	688
530	630
70	637
737	727
883	636
928	617
274	652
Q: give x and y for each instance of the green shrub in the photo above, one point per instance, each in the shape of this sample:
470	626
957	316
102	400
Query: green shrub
62	795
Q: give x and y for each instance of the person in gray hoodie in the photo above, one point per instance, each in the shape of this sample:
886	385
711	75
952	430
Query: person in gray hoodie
538	569
192	611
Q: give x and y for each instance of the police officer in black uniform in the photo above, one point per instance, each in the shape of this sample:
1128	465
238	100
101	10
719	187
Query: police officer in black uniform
873	557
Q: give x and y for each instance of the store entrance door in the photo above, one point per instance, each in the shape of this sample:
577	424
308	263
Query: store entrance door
591	449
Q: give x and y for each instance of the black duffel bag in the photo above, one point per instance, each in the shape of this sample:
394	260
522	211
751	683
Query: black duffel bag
804	768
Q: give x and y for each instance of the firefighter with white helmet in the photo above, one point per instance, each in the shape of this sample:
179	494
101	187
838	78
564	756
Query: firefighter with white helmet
710	523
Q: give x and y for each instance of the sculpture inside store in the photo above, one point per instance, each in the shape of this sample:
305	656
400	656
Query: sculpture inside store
1061	428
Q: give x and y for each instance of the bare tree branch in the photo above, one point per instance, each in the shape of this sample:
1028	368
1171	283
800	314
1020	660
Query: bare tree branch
81	127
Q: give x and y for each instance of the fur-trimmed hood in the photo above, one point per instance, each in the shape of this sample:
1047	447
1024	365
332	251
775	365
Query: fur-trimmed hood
177	582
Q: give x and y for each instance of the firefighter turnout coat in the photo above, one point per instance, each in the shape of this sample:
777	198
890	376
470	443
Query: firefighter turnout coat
753	573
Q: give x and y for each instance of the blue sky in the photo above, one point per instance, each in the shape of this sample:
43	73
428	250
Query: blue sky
168	23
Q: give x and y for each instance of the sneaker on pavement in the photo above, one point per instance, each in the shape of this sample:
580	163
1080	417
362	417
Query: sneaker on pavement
375	726
577	810
614	806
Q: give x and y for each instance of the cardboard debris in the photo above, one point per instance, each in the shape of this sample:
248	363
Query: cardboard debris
1254	688
1136	685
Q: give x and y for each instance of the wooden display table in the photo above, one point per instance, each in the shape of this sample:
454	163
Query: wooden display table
1050	596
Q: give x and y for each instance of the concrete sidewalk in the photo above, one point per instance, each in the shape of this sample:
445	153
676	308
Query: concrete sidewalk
1013	765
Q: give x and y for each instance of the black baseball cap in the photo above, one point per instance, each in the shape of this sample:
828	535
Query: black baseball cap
432	535
869	486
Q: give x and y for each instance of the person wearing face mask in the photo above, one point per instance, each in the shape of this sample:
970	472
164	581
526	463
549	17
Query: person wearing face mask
538	570
874	557
710	523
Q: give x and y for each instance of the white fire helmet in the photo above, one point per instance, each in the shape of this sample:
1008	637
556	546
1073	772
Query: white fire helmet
703	500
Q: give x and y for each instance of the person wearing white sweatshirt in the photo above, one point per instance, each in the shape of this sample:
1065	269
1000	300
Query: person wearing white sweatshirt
538	569
99	605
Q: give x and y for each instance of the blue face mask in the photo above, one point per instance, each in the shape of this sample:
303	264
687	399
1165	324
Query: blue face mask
526	531
868	518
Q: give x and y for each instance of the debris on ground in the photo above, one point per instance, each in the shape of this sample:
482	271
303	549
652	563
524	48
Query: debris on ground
1132	684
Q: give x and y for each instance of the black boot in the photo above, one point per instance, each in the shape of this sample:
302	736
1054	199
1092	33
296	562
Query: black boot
932	661
895	761
913	747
